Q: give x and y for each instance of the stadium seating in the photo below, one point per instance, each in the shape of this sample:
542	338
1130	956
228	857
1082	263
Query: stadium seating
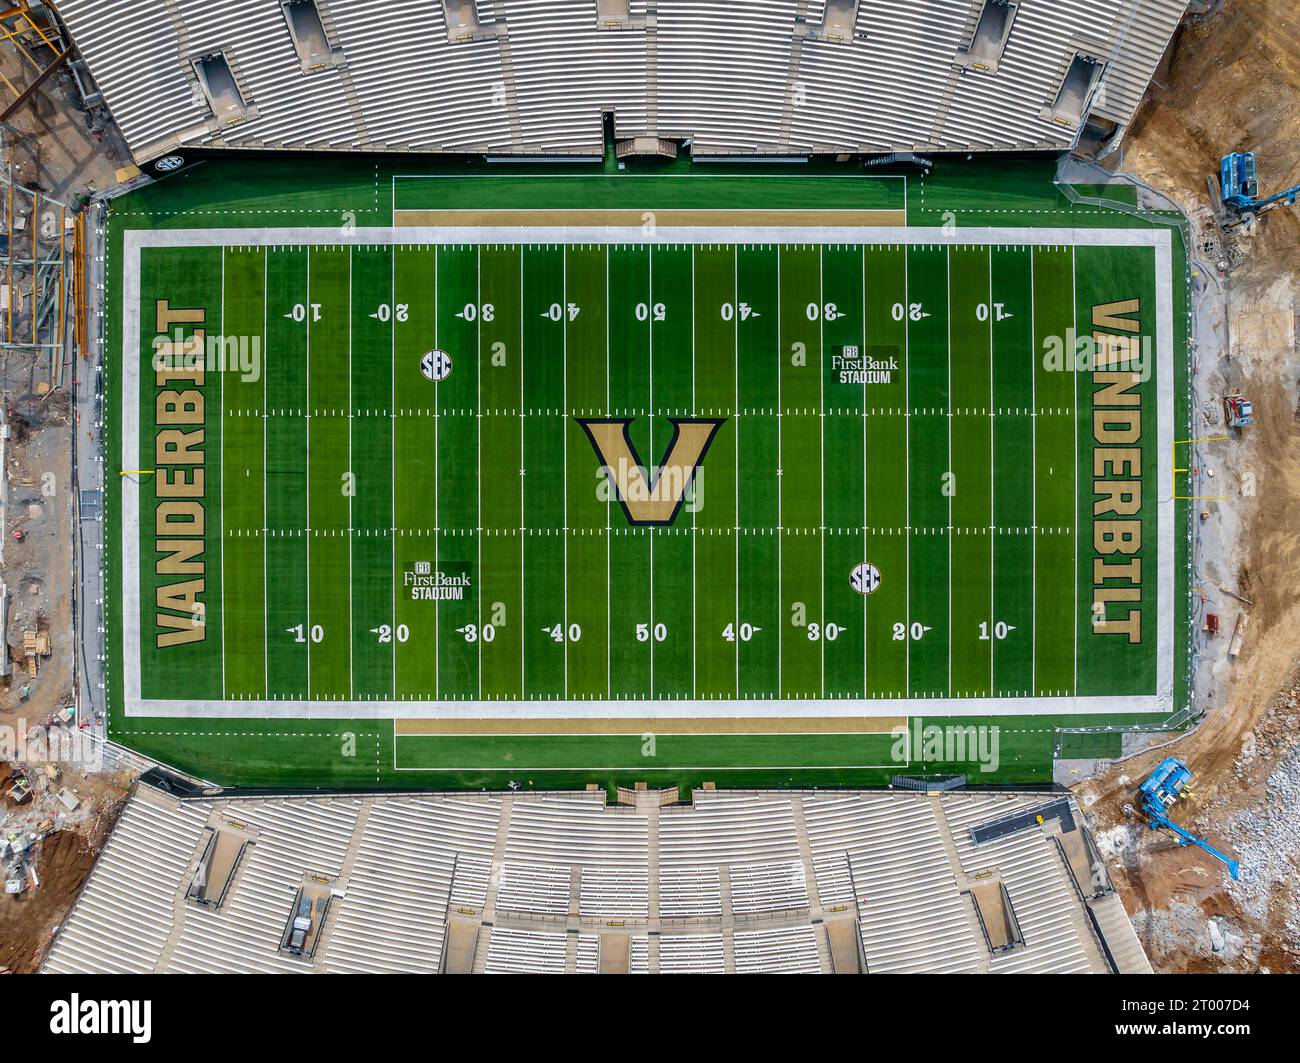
536	76
733	882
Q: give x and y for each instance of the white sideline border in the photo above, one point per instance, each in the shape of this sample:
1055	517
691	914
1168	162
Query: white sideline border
135	240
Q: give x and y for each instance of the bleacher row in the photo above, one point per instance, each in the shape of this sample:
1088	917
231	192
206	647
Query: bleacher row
735	881
536	75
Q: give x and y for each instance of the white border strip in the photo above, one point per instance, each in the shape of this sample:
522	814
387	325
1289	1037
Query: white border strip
137	239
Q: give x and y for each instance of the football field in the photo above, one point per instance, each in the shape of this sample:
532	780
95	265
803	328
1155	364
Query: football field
604	471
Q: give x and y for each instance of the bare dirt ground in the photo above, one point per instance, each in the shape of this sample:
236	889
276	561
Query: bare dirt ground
67	152
1233	83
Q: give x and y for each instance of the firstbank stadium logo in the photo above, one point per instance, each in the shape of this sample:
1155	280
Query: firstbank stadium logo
653	498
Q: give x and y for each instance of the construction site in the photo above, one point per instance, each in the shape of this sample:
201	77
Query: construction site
455	721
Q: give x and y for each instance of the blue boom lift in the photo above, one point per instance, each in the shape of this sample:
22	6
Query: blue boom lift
1160	792
1239	190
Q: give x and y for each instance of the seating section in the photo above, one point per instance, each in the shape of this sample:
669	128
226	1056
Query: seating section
789	950
734	882
538	74
124	916
751	836
1045	902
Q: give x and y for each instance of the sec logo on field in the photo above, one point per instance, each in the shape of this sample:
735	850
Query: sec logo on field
436	365
864	578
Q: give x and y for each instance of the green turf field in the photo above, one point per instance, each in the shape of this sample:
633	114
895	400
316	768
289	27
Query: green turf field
510	455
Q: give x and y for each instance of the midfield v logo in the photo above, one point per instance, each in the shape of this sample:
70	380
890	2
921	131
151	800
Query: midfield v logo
654	498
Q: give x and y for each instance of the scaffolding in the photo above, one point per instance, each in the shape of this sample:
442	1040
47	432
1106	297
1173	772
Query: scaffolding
42	284
42	238
37	40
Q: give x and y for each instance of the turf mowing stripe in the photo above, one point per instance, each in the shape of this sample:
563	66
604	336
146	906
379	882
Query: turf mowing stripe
974	629
459	314
328	472
501	459
801	472
715	487
1054	474
243	485
544	501
586	563
759	357
414	400
843	488
672	378
287	628
1013	448
929	480
630	311
373	390
886	476
184	652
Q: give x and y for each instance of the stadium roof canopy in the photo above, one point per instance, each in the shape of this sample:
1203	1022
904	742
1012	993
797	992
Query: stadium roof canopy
763	77
487	882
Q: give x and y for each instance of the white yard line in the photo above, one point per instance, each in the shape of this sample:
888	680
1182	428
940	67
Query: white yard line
1033	476
947	264
266	424
353	485
1074	432
221	418
478	451
735	400
307	625
821	456
993	494
392	451
780	534
907	477
523	518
